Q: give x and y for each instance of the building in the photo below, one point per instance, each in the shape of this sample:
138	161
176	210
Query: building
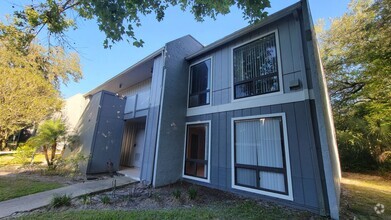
247	114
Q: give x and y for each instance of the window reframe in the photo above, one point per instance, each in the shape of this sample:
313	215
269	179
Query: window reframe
279	73
286	160
208	150
209	82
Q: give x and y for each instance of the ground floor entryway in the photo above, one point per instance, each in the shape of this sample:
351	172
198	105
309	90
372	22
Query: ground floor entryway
132	147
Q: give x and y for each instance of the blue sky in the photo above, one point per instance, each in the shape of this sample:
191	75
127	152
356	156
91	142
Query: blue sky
99	64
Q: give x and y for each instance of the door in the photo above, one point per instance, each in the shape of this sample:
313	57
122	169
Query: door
138	148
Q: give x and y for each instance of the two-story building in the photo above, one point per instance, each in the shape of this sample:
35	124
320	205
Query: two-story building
248	114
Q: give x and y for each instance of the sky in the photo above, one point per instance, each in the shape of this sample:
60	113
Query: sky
99	64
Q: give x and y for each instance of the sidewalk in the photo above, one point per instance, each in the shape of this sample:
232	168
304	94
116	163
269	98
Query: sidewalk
38	200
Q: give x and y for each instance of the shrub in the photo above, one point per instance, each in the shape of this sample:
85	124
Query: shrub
192	193
177	193
61	200
24	154
86	199
105	199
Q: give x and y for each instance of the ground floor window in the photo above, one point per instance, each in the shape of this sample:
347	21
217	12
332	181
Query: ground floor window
197	151
260	154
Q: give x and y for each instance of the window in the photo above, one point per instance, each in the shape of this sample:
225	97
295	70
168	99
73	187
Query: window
259	155
199	91
197	151
255	68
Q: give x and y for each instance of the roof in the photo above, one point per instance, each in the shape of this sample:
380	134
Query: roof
122	74
272	18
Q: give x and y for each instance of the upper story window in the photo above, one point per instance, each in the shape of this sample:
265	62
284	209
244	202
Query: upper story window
255	68
199	91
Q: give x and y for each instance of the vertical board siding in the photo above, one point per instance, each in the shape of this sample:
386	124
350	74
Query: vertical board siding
286	48
170	143
291	59
300	140
107	139
143	86
152	121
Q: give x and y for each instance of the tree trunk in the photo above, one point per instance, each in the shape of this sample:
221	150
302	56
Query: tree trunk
2	144
45	151
54	146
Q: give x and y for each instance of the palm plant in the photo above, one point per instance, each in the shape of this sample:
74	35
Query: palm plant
47	137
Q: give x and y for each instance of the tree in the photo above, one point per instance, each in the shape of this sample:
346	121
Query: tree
117	18
29	79
356	54
49	133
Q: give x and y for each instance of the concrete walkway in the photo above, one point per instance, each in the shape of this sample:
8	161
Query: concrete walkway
39	200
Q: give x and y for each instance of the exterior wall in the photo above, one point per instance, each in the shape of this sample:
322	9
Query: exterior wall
291	61
86	130
100	130
322	112
302	151
307	116
144	86
168	159
106	145
72	111
151	131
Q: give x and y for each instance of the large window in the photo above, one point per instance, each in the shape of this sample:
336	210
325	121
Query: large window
197	151
199	91
259	155
255	68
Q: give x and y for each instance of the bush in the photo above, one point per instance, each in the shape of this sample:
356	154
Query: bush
61	200
192	193
86	199
177	194
24	154
105	199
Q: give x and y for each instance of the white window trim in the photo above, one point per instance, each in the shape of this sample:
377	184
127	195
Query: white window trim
281	86
210	83
289	196
208	141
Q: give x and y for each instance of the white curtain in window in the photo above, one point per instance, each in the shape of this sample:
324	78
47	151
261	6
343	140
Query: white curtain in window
258	142
273	181
269	147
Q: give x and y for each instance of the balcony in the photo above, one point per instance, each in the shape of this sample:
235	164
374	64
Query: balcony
137	105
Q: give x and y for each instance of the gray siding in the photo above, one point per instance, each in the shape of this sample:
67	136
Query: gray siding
291	59
323	115
168	163
306	185
152	121
107	142
100	131
85	129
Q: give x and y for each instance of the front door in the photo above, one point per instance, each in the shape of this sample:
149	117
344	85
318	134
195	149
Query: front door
138	148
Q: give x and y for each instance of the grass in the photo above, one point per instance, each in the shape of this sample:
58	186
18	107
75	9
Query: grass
9	159
362	193
245	210
13	187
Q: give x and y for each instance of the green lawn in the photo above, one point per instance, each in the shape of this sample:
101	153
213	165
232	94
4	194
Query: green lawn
245	210
362	193
13	187
9	159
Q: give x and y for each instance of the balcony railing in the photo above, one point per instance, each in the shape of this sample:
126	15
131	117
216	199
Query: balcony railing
140	101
